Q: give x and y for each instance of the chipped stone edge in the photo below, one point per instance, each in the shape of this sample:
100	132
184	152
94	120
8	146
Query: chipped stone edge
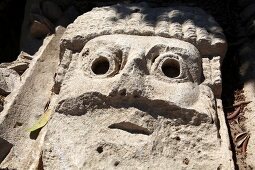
11	97
249	92
227	155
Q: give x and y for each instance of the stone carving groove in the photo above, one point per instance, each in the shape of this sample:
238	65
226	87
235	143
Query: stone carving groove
190	24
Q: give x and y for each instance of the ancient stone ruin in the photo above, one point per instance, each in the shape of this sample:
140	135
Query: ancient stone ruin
126	86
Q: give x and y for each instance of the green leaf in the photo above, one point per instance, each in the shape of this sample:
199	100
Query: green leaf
42	121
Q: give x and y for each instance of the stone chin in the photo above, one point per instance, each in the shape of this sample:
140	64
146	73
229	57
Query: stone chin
125	129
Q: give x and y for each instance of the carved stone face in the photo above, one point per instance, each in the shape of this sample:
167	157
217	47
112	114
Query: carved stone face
128	98
136	67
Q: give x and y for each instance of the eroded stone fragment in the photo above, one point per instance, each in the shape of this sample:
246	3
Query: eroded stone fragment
26	104
19	67
9	79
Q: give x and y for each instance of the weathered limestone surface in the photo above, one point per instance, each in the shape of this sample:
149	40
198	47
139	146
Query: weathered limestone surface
26	104
9	79
136	88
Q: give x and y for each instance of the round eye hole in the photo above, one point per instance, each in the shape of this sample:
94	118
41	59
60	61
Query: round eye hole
171	68
100	66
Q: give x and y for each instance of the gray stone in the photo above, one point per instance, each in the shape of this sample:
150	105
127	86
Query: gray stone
20	64
25	105
9	79
19	67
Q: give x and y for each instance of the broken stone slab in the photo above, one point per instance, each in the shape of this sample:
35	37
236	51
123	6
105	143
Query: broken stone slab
26	104
20	65
9	79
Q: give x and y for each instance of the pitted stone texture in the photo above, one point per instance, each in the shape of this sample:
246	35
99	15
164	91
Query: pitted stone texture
212	75
9	79
187	23
76	145
135	102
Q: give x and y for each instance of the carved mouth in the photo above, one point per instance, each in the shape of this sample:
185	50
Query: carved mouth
156	108
131	128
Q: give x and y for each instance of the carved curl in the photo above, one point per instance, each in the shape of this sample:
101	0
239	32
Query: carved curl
190	24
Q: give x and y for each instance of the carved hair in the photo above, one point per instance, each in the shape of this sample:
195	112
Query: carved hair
190	24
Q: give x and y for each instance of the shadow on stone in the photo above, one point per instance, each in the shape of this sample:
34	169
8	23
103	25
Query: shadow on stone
5	148
34	134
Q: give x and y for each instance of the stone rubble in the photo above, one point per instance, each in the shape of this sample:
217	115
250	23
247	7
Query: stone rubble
9	80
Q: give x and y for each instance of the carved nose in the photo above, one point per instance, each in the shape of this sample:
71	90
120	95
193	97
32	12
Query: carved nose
125	93
128	86
136	93
131	81
136	67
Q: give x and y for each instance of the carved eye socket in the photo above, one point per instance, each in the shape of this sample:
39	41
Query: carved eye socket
100	66
171	68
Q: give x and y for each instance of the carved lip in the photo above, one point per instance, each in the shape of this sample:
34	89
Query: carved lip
131	128
156	108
